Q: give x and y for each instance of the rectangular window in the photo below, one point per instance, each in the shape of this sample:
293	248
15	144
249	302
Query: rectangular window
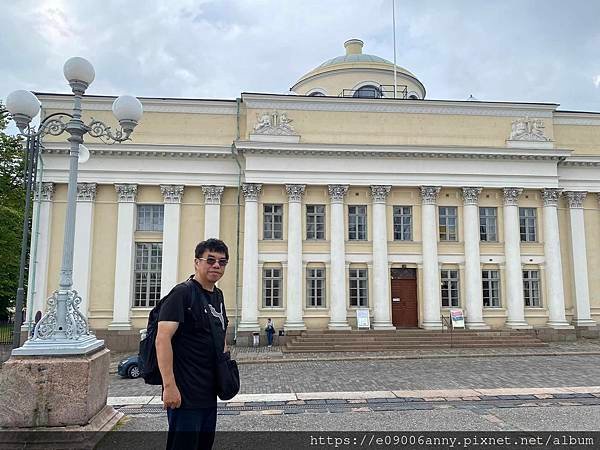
491	288
272	288
450	291
488	224
315	288
315	221
403	223
359	291
357	223
273	222
448	223
531	288
527	223
150	217
148	265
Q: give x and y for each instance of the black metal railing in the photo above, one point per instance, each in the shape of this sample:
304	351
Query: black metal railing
6	331
377	91
447	326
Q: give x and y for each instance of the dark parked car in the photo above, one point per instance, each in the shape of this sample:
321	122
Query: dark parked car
129	367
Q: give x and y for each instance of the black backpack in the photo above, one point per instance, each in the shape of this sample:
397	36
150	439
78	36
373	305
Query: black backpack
148	363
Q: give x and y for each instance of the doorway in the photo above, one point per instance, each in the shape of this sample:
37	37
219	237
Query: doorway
404	298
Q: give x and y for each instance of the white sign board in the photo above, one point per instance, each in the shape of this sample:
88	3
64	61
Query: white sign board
362	318
458	319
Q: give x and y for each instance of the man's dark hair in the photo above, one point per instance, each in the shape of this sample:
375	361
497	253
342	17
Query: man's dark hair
213	245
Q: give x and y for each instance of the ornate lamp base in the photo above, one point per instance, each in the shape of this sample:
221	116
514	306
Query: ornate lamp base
57	346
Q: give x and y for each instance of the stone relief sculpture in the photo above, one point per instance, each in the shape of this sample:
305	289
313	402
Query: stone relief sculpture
276	123
527	129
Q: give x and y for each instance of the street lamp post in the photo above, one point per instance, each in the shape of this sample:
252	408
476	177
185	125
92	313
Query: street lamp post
63	329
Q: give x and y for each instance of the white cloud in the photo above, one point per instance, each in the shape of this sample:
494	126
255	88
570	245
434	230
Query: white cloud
597	81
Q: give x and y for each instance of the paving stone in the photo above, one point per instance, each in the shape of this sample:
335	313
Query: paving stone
224	412
272	412
336	401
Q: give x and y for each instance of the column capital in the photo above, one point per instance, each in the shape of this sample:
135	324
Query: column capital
126	192
429	194
86	192
295	192
550	196
575	198
471	195
380	193
47	192
171	193
511	196
213	194
251	191
337	192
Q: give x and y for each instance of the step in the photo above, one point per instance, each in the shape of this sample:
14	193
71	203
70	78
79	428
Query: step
421	345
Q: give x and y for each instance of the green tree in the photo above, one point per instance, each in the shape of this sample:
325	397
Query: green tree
12	206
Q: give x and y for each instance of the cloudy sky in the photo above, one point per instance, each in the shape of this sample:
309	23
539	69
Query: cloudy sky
497	50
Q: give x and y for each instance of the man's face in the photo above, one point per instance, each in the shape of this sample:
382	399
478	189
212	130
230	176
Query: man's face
210	266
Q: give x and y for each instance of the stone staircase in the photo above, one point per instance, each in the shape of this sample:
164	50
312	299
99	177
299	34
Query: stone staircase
397	340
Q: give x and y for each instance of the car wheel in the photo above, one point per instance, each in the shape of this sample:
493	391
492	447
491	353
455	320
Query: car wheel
133	371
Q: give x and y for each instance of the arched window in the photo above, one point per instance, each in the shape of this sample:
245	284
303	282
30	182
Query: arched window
368	91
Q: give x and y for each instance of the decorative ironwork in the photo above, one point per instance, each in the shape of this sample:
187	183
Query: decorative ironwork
75	322
103	132
48	324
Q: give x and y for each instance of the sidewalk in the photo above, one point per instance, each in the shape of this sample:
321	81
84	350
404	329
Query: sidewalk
262	355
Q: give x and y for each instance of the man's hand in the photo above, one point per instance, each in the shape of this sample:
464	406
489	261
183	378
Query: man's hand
171	397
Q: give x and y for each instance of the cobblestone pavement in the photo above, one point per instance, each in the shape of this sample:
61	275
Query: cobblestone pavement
402	374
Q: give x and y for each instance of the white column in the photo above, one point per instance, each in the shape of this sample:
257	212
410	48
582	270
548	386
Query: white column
583	317
83	248
37	288
212	210
381	275
294	320
512	251
474	292
553	263
172	195
431	271
250	275
126	195
338	308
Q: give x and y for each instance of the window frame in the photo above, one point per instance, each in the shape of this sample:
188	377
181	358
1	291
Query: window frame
152	286
312	220
487	222
399	222
452	286
312	288
358	282
272	283
356	235
530	285
527	230
150	212
494	301
275	233
450	233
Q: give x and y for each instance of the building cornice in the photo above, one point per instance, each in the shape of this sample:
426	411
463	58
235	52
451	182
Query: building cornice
383	105
379	151
145	150
576	118
581	161
64	102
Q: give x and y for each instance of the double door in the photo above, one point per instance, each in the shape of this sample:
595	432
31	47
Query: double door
404	298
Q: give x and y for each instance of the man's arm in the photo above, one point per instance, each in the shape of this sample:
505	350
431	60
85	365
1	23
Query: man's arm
164	355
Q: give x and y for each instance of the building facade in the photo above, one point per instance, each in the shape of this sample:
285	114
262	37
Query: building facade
348	193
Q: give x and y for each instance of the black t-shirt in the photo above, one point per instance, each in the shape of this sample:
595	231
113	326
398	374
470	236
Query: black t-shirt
193	346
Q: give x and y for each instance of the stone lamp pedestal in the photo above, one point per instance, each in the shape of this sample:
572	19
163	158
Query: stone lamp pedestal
55	393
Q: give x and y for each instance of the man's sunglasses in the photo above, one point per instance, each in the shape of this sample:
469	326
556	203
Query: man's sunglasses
211	261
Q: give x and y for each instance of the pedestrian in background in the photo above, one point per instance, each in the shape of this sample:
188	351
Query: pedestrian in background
270	329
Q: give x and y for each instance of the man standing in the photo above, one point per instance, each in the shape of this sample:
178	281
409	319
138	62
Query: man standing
186	351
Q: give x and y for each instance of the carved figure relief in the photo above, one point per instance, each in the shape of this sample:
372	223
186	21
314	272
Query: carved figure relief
527	129
276	123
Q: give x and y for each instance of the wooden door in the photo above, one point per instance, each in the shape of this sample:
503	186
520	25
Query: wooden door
404	298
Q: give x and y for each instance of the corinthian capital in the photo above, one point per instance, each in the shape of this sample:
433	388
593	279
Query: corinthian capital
295	192
251	191
471	195
429	194
380	193
575	198
171	193
213	194
47	192
337	192
126	192
511	196
550	196
86	192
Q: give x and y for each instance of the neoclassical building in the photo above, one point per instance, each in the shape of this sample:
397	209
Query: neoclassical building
344	194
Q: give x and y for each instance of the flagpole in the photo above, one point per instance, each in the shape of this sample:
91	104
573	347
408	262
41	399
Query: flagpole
394	23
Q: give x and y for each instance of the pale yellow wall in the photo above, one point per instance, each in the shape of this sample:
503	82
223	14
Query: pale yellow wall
592	231
59	209
228	233
582	139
